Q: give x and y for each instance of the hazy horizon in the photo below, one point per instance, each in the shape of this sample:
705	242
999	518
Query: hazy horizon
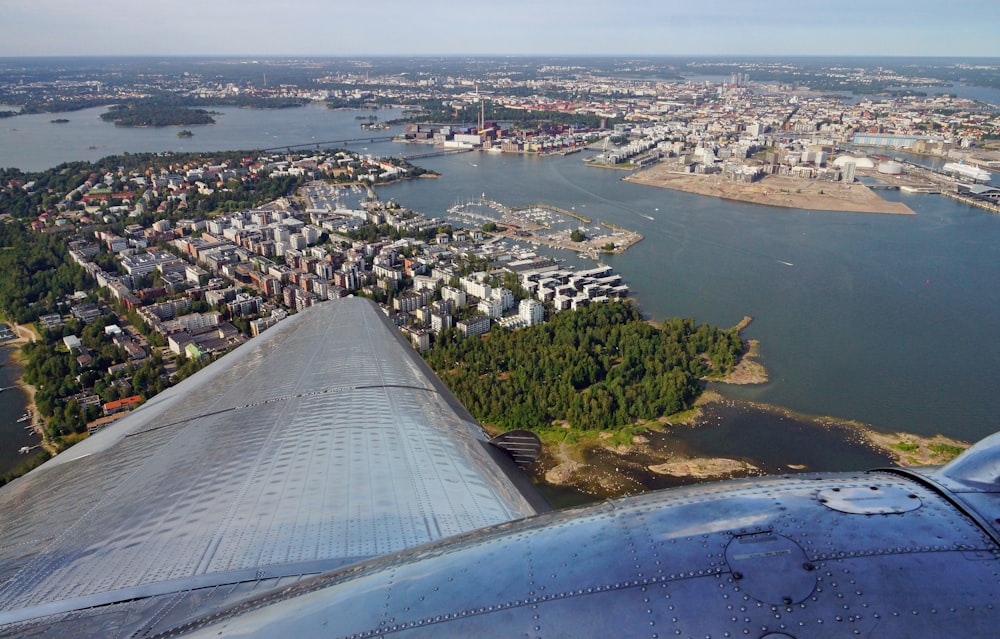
776	28
553	56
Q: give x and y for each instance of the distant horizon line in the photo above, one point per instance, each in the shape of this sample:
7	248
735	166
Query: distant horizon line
271	56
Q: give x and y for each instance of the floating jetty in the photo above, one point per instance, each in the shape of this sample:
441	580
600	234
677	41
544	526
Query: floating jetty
549	207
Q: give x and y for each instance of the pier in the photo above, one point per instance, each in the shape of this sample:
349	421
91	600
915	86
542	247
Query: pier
585	220
971	201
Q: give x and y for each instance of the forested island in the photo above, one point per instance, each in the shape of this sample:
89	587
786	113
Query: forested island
154	115
164	101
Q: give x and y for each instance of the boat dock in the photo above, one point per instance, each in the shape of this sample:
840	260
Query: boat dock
585	220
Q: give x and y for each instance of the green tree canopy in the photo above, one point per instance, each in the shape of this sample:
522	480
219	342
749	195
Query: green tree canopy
600	367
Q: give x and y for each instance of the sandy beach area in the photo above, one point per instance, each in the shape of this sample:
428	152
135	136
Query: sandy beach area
774	190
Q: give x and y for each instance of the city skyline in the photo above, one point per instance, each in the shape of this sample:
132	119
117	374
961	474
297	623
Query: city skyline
552	27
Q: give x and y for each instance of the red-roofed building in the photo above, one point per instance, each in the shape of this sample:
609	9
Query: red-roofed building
122	404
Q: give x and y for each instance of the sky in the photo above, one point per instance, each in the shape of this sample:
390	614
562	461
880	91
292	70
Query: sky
513	27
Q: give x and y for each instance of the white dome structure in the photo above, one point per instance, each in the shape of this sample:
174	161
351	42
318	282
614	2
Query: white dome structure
859	162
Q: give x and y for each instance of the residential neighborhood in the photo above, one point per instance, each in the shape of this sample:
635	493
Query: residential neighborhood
171	295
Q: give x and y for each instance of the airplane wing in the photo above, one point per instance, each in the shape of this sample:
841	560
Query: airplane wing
319	482
321	443
891	554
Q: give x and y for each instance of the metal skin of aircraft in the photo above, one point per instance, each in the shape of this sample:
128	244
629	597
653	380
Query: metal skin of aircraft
319	481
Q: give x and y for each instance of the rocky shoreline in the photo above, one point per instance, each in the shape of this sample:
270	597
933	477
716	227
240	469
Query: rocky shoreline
664	456
668	454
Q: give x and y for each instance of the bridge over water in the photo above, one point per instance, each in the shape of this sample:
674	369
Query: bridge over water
433	154
331	143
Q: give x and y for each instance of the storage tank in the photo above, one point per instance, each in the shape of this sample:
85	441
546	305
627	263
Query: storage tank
890	168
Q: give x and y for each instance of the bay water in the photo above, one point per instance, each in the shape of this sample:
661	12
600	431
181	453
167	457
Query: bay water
884	319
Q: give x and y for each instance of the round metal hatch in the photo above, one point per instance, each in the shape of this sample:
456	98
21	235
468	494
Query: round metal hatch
771	568
869	500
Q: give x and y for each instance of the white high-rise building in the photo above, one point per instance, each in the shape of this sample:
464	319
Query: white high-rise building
505	296
492	308
531	311
454	295
476	287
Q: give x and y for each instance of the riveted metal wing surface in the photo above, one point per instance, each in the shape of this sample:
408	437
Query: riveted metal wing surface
321	443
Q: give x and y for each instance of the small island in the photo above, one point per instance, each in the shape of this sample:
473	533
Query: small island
185	133
59	121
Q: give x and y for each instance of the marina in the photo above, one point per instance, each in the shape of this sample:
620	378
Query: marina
16	430
546	225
